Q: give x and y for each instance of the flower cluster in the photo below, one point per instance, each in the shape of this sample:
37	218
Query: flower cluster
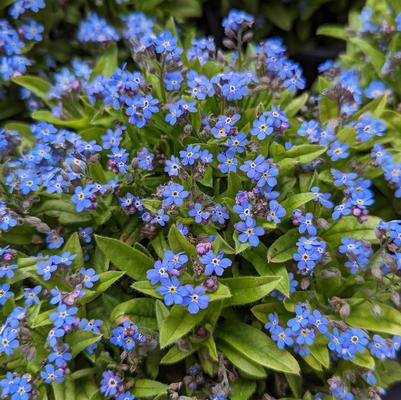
169	198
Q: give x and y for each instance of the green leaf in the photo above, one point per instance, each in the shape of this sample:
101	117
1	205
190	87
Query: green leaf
245	365
125	258
258	258
364	360
148	388
207	179
107	63
36	85
295	105
64	211
161	312
80	340
222	292
178	242
248	289
47	116
280	16
376	57
242	389
320	351
73	245
296	201
334	31
257	346
304	153
328	108
377	317
145	287
177	324
234	185
284	247
350	227
106	279
175	355
140	310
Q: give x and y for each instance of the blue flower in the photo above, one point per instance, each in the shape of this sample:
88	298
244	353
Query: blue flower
237	143
301	319
61	356
219	214
174	194
173	166
8	341
368	127
338	150
64	316
160	271
189	155
165	42
235	19
249	232
110	383
5	293
160	218
81	198
282	337
215	263
51	374
306	224
96	29
199	215
255	168
31	295
54	240
172	291
262	127
228	162
276	212
126	396
6	270
195	298
46	268
89	277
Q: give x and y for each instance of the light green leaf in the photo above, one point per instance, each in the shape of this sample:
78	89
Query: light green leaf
296	201
246	366
284	247
107	63
328	108
350	227
73	246
364	360
377	317
36	85
140	310
257	346
376	56
248	289
242	389
258	258
125	258
177	324
148	388
175	355
106	279
178	242
47	116
334	31
80	340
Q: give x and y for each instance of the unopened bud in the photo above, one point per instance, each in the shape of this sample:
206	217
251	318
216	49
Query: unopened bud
345	310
